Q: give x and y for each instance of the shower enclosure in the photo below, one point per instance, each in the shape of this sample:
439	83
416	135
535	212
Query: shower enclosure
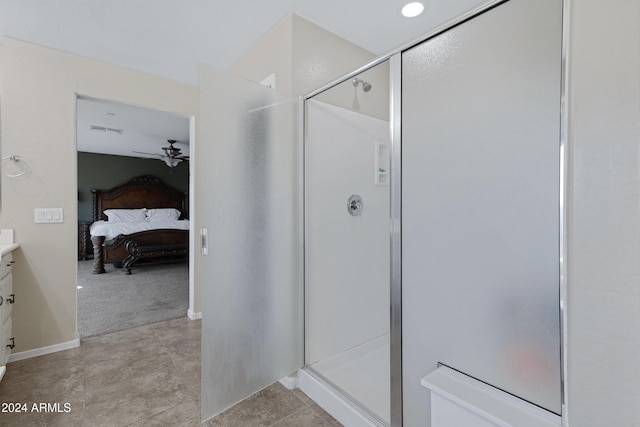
453	251
347	221
418	227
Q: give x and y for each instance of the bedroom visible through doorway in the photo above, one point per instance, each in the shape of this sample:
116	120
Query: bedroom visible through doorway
133	216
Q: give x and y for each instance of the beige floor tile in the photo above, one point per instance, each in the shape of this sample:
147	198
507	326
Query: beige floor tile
46	416
126	366
316	408
145	376
186	414
176	331
135	399
324	414
306	399
264	408
104	347
188	368
50	385
61	360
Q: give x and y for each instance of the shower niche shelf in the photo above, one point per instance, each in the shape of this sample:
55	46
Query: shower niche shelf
382	163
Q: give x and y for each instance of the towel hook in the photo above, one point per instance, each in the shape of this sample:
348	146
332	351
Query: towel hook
23	169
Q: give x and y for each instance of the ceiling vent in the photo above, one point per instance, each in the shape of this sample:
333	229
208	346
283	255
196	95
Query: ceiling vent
105	129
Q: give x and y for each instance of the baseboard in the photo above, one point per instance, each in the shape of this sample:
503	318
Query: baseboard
193	315
289	382
44	350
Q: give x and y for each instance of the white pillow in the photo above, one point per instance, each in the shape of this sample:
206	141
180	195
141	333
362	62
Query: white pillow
163	214
126	215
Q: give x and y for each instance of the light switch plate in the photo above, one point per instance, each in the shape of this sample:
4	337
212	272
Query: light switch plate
48	215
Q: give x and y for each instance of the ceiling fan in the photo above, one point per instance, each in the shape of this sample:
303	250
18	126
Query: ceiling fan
172	156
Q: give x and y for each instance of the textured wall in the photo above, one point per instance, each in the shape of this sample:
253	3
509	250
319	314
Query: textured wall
604	233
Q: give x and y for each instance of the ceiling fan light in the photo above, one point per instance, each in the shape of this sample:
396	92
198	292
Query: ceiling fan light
172	162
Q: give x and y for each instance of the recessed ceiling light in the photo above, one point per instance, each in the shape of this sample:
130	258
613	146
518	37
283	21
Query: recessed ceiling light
412	10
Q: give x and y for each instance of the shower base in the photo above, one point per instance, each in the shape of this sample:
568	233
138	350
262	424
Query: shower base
361	373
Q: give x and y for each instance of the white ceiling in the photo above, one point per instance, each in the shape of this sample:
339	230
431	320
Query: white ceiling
169	38
143	129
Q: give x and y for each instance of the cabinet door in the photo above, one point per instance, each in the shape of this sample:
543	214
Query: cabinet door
3	315
3	264
7	296
3	299
4	351
7	341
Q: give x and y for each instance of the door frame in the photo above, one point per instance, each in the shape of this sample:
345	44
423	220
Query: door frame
191	313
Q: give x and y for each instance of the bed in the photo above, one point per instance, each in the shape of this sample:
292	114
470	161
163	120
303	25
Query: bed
143	221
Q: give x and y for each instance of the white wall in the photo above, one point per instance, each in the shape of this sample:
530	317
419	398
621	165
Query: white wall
348	257
320	56
604	234
374	103
271	54
303	56
38	94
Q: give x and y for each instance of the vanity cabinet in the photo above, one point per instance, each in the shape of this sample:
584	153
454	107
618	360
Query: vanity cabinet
7	299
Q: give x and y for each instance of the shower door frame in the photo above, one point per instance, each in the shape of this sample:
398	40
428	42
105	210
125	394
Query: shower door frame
395	332
395	128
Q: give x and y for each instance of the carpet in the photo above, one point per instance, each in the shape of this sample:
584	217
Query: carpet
115	301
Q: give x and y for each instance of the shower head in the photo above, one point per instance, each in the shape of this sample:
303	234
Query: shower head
366	86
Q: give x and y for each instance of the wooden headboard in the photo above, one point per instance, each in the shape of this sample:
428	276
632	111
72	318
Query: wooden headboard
140	192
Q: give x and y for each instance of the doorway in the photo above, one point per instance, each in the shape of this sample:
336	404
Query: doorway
119	143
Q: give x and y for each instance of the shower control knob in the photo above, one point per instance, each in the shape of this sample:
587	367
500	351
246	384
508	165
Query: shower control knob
354	205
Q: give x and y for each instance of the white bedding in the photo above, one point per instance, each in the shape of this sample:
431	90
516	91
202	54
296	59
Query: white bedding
112	229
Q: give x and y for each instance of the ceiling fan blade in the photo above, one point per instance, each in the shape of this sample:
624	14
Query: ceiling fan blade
170	152
150	154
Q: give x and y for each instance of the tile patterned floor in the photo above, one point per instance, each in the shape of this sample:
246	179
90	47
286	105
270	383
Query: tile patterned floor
145	376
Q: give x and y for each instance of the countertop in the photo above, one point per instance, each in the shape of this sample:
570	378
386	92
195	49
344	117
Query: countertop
6	241
5	248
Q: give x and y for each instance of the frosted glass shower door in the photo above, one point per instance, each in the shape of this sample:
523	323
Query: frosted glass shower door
250	202
347	141
481	205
